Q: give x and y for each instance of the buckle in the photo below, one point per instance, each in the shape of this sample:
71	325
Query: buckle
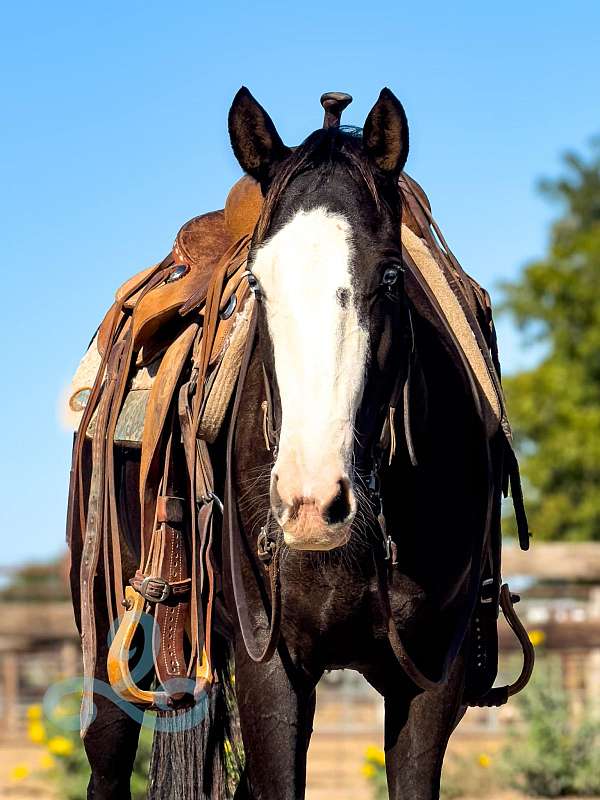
211	497
373	485
265	547
154	590
387	547
252	283
487	591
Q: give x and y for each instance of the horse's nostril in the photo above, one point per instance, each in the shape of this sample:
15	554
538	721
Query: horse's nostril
276	501
339	508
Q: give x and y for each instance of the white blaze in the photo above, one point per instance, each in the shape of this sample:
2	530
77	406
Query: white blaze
320	349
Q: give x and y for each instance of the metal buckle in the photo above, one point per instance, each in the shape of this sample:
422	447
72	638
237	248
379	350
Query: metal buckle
373	485
211	497
155	590
229	308
387	546
484	597
265	546
253	283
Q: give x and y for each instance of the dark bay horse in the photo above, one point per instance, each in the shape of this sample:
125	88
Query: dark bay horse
331	342
357	554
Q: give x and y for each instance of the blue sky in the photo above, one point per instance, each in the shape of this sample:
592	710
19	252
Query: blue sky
114	134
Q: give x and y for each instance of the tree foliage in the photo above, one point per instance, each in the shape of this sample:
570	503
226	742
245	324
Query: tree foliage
37	583
553	753
555	407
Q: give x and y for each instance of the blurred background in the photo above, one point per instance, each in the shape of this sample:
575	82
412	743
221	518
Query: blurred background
114	134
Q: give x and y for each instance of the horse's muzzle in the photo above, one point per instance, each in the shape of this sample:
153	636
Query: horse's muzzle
309	524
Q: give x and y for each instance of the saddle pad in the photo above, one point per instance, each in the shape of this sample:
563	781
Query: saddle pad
130	424
455	317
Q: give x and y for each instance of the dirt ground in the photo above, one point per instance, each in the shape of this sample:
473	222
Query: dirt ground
15	757
22	754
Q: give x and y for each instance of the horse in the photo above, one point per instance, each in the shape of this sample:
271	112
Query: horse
359	490
331	339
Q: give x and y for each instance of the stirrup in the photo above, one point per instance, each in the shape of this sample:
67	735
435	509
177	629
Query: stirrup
119	674
499	695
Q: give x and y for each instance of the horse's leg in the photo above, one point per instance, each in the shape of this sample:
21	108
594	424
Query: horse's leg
276	709
417	730
112	738
110	745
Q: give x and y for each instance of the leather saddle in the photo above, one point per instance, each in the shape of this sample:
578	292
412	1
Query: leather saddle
160	371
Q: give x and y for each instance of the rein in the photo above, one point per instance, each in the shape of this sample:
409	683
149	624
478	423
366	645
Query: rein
269	551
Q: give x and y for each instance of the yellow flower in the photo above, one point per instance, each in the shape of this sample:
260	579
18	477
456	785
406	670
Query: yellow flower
47	762
484	760
36	732
368	771
34	712
19	772
537	637
60	746
375	754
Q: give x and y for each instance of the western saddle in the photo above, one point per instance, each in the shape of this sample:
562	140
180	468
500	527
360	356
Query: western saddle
159	377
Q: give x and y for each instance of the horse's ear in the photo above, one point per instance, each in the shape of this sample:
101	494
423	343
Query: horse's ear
254	139
385	134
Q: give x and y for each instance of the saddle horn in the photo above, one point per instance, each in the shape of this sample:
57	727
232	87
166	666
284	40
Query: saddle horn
334	104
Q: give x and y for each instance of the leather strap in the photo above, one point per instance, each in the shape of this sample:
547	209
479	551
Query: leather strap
499	695
259	652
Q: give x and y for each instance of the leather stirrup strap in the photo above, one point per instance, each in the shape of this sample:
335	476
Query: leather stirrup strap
169	564
91	549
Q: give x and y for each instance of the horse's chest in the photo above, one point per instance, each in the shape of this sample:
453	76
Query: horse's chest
333	617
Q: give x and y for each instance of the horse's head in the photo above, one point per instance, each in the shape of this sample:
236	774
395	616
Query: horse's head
326	253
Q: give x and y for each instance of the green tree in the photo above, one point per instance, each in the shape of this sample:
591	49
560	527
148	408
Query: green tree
555	407
552	753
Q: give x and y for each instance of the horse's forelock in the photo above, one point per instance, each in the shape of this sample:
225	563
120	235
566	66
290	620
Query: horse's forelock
322	150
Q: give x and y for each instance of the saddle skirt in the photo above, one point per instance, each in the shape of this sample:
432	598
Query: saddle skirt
159	377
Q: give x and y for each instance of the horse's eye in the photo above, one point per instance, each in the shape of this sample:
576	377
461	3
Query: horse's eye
390	276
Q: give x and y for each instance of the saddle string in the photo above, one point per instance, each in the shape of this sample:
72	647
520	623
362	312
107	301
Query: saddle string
269	432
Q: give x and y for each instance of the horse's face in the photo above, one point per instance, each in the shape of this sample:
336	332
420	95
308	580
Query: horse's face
326	263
